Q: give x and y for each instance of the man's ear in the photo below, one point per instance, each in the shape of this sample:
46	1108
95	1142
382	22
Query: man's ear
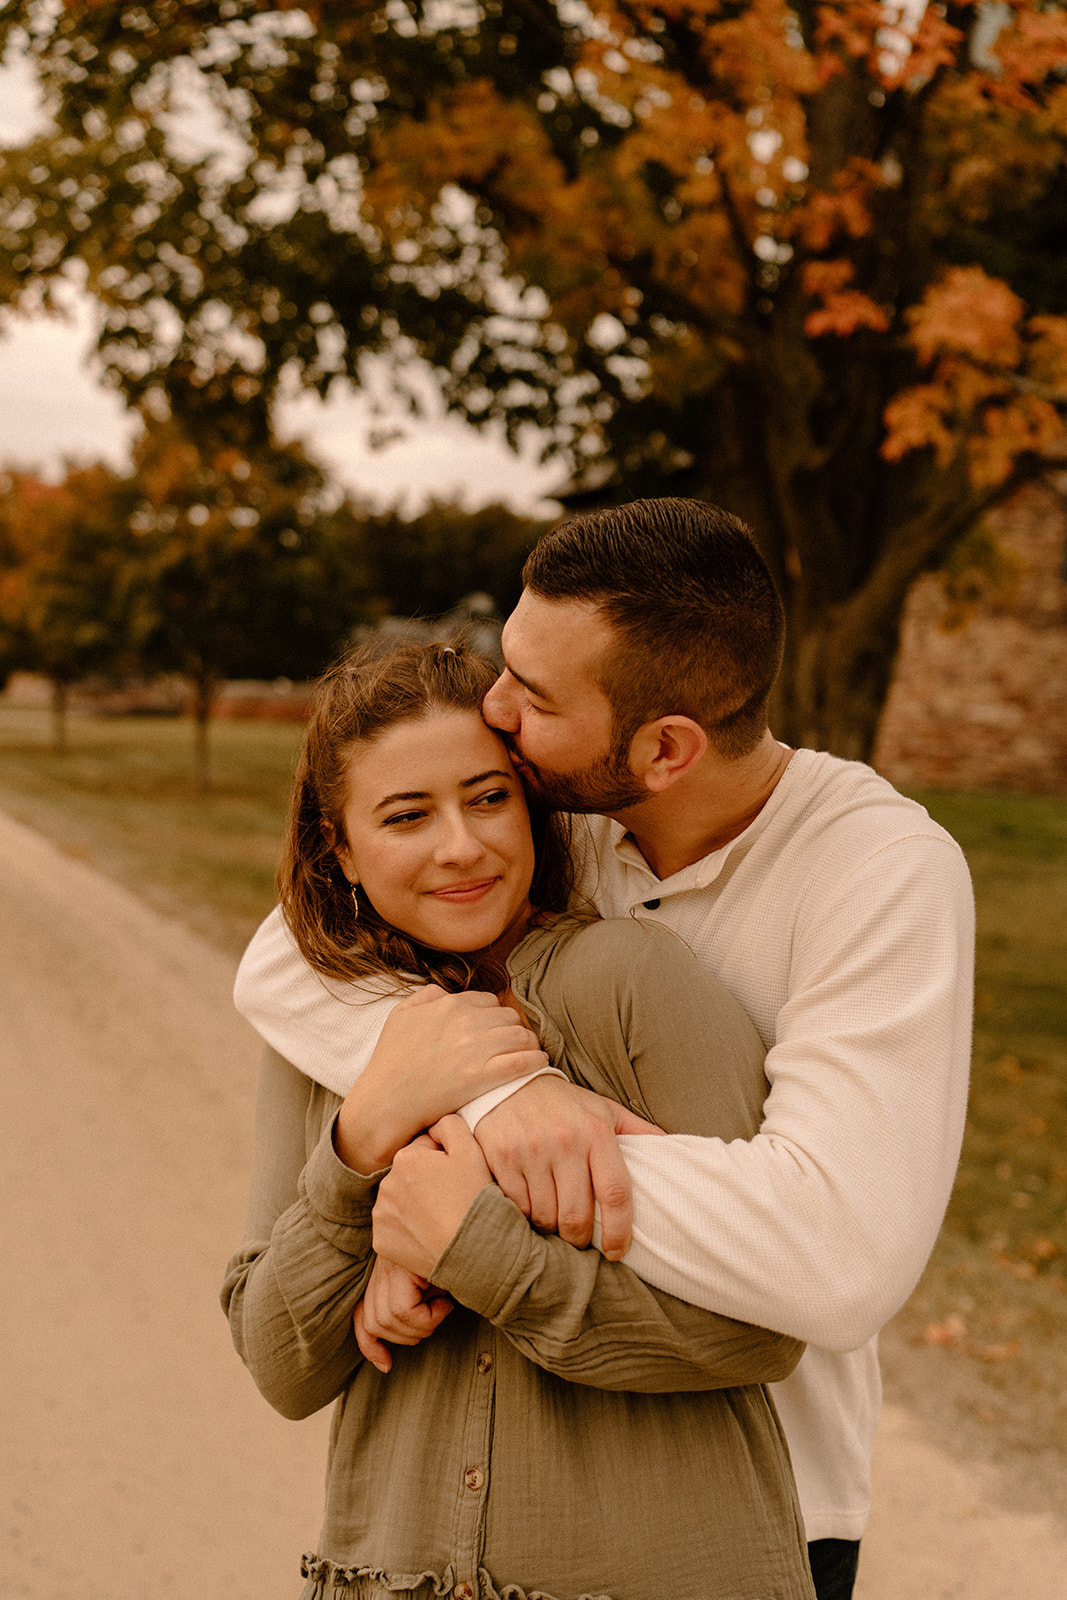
663	751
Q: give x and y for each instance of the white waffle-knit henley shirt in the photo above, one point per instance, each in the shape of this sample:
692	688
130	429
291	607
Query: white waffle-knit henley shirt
842	919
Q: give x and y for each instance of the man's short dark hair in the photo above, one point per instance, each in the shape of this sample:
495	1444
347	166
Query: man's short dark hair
698	623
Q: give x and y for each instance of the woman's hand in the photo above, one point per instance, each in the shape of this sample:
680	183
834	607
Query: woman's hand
437	1051
397	1306
425	1197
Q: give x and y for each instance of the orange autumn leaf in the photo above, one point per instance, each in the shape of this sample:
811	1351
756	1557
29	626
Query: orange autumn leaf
842	209
1047	354
1027	424
845	313
968	312
826	277
915	420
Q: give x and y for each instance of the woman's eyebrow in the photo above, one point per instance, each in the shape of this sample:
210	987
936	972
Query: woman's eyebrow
403	794
494	772
424	794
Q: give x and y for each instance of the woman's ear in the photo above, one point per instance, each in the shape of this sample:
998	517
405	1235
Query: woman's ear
663	751
342	852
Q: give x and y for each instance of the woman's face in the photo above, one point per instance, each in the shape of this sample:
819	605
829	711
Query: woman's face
437	833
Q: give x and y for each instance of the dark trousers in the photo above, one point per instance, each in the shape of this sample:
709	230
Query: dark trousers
833	1567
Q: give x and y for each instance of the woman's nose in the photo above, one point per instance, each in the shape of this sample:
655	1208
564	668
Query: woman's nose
458	843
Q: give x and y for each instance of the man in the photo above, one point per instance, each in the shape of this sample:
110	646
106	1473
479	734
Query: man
639	663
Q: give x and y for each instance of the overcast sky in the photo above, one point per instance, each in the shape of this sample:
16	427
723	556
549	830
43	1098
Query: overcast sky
52	408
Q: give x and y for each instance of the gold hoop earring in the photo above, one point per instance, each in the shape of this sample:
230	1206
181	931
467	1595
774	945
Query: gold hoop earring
355	902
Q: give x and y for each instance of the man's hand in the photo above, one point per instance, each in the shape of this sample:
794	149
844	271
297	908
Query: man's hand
437	1051
424	1198
552	1148
397	1306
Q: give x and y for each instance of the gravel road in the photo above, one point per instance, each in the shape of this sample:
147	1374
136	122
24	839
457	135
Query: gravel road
138	1459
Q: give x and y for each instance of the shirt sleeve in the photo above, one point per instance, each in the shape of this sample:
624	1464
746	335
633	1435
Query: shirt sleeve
291	1290
822	1224
593	1321
324	1026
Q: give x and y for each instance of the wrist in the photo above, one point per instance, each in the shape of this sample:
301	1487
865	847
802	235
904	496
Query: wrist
363	1146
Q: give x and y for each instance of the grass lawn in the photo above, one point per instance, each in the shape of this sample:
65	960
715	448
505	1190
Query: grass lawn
980	1350
123	798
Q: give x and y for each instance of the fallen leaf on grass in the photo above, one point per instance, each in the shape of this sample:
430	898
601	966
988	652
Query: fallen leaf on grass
1000	1352
1044	1249
951	1331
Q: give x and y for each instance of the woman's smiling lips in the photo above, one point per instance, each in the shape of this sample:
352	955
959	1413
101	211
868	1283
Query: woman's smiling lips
464	893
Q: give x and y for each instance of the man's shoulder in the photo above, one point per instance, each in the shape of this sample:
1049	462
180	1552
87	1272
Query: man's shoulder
823	795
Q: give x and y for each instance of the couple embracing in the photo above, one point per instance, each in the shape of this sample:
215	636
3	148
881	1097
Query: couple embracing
616	1076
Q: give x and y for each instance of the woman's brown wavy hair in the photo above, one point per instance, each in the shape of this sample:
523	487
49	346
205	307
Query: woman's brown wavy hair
367	692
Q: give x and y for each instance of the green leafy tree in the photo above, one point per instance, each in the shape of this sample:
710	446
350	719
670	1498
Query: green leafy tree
425	565
804	258
64	554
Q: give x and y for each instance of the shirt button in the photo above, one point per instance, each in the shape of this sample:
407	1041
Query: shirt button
484	1362
474	1477
463	1591
651	905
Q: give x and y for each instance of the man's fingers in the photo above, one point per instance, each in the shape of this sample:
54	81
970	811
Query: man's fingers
611	1186
512	1182
575	1205
373	1349
626	1121
543	1200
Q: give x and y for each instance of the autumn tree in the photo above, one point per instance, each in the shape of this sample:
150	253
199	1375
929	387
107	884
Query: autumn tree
244	566
64	554
804	259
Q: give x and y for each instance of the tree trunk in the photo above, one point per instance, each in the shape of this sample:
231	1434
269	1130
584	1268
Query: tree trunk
204	689
834	684
59	699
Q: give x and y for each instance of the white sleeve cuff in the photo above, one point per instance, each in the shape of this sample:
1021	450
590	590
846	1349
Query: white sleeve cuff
473	1112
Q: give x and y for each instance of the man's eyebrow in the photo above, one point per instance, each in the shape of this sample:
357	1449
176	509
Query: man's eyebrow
529	685
424	794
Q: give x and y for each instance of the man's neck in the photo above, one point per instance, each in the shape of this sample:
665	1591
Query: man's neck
706	809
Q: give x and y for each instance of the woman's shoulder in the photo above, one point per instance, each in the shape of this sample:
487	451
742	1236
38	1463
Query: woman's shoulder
614	940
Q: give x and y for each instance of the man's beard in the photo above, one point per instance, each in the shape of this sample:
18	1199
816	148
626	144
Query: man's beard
606	785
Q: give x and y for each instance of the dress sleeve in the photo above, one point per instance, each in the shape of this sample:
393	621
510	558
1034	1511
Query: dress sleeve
624	1003
291	1290
593	1321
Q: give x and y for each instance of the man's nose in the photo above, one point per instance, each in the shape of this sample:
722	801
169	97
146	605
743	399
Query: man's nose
499	707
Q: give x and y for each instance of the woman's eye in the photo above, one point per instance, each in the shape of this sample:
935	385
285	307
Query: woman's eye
403	817
495	797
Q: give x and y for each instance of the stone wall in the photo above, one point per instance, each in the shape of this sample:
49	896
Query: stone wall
984	705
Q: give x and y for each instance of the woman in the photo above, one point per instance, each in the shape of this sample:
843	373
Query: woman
565	1432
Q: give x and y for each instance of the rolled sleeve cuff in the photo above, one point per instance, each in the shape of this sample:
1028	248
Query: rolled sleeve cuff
339	1199
489	1258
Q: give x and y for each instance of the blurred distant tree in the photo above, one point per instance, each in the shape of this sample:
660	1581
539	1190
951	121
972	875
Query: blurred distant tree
424	565
242	568
804	257
64	549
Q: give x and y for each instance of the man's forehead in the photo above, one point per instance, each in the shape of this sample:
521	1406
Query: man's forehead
548	643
